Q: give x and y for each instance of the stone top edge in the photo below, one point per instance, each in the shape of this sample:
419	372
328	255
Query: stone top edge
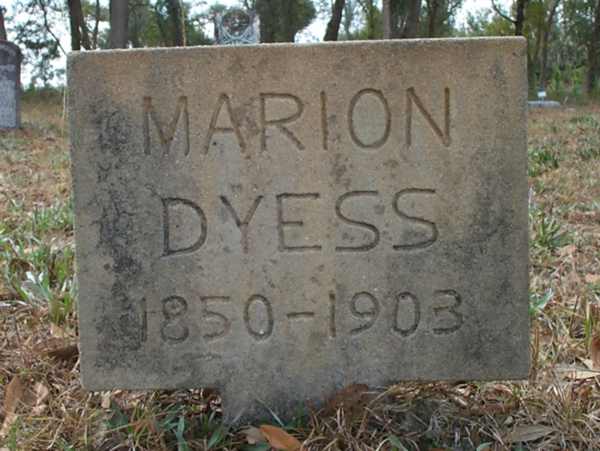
14	47
517	41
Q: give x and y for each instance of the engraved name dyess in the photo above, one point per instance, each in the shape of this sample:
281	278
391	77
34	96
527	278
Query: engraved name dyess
278	222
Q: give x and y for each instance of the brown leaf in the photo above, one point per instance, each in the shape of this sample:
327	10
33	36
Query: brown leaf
352	399
65	353
279	439
577	372
13	395
528	433
595	352
254	435
41	393
105	403
57	331
592	278
567	250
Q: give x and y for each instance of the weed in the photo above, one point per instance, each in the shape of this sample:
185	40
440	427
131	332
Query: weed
542	159
537	301
586	120
546	232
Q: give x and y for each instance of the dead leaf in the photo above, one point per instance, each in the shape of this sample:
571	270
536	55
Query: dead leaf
528	433
567	250
279	439
13	395
352	399
105	402
253	435
577	373
57	331
65	353
595	352
592	278
41	393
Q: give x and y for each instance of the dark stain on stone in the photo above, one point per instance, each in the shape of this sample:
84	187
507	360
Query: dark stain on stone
120	324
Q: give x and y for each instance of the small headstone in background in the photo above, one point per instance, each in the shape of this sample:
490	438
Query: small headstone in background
236	26
10	85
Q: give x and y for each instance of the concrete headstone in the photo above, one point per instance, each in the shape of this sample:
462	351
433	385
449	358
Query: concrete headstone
280	221
10	85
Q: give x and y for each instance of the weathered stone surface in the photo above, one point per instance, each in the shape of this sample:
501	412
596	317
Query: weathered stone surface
279	221
10	85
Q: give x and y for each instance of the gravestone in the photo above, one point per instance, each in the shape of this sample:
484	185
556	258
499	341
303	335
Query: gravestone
280	221
10	85
236	26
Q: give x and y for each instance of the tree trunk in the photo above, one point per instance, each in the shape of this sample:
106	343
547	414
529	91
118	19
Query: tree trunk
119	17
96	26
411	27
348	17
535	59
545	43
74	24
177	17
520	18
333	26
369	9
268	13
287	21
432	11
593	68
3	36
79	33
386	14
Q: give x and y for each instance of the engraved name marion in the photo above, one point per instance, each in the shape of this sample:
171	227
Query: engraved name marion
224	109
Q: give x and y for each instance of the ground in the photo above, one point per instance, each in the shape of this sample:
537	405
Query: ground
44	406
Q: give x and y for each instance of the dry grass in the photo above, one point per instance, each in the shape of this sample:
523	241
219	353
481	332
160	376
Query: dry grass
558	408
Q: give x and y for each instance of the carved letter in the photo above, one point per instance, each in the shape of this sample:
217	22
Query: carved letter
411	96
283	223
278	123
166	134
450	309
235	127
388	119
171	203
324	122
433	231
365	225
242	225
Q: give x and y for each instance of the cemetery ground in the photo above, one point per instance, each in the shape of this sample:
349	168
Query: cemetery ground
45	407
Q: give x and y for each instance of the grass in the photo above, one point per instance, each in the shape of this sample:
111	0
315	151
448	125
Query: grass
557	408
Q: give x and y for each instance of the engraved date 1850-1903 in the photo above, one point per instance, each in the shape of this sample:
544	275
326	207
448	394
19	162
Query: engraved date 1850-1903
402	314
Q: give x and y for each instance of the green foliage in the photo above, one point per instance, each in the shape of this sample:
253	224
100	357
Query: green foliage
485	22
438	16
566	83
32	32
537	301
151	26
36	265
281	20
546	232
542	158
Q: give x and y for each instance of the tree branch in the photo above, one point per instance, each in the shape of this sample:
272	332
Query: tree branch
501	14
47	26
